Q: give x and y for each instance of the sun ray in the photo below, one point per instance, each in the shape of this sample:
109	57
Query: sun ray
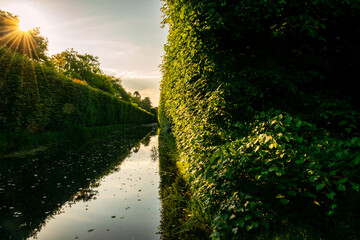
12	37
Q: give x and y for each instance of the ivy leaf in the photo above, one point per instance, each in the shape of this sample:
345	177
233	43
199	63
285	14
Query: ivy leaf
313	178
284	201
300	161
240	223
331	195
272	169
292	193
320	186
341	187
342	123
355	186
341	181
247	217
249	227
266	224
255	224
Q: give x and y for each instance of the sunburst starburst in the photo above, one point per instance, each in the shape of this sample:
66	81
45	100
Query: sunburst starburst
16	36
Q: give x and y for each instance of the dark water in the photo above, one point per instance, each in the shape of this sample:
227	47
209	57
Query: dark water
106	188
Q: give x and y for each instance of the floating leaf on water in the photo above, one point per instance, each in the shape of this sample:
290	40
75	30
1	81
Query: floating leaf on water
91	230
113	216
127	208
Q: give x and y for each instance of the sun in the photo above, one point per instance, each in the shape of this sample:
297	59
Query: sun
24	26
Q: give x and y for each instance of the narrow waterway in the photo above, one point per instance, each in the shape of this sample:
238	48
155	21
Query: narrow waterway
105	189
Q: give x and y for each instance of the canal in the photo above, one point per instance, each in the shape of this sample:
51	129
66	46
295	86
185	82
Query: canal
105	188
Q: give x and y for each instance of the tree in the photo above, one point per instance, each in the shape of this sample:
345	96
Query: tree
137	95
146	104
83	67
29	43
119	90
76	65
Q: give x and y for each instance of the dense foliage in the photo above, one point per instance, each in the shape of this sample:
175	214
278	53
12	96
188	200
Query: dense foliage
261	99
86	67
36	98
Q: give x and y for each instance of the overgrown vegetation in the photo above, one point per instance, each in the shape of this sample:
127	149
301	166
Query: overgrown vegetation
176	219
260	98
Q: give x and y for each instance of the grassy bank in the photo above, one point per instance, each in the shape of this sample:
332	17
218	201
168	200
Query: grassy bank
178	220
11	142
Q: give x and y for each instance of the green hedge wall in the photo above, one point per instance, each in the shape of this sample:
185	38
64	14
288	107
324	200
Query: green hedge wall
260	98
36	98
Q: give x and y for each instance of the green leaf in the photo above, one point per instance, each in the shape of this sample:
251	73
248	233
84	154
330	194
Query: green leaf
320	186
266	224
284	201
355	186
333	173
356	161
341	187
331	195
300	161
255	224
247	217
313	178
240	223
292	193
249	227
331	164
342	180
342	123
272	169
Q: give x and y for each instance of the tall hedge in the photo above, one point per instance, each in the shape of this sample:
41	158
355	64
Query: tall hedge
36	98
260	96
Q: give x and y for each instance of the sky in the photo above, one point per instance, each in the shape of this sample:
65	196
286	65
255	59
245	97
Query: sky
126	35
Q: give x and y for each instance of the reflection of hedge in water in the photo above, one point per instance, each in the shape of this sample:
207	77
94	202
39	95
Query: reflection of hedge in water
34	188
36	98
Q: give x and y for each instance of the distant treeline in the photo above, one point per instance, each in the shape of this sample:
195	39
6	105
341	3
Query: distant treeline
261	98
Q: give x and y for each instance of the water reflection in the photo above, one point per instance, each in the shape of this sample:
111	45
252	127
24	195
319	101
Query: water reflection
35	190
